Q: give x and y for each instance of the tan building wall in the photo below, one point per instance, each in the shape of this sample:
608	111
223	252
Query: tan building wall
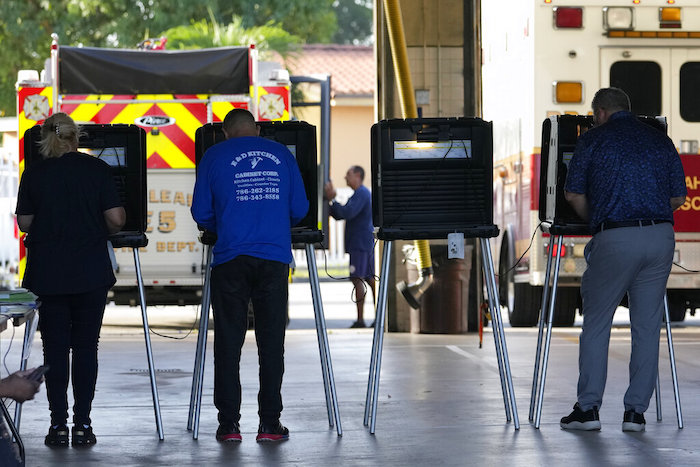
350	141
350	136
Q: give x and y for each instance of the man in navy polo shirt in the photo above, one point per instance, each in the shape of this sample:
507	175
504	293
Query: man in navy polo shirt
626	179
250	192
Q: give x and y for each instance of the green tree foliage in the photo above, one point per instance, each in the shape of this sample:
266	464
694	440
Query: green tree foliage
26	26
354	21
202	34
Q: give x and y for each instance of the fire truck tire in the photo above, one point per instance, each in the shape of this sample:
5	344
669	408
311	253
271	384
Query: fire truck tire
565	308
526	305
677	306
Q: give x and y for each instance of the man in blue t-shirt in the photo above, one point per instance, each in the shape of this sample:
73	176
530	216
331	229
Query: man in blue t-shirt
359	240
250	192
626	179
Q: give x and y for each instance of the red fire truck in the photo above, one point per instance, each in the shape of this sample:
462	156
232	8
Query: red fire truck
169	98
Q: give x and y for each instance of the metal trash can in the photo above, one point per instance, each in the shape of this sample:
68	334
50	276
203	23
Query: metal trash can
444	305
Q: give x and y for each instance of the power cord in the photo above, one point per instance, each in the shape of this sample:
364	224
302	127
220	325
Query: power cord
532	239
196	313
363	282
4	364
684	268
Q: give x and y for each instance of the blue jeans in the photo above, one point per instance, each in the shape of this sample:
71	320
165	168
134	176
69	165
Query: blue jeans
71	323
233	285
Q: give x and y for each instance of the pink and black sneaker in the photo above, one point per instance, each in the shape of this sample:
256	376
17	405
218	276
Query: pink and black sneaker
272	432
229	432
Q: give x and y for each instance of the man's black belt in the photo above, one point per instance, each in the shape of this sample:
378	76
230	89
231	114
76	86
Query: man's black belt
607	225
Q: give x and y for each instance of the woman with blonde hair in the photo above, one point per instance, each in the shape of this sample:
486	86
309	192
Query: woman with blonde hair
68	205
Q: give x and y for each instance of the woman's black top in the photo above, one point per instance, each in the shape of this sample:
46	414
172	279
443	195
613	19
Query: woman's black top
67	243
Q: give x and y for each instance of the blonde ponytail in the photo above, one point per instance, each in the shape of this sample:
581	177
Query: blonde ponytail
59	135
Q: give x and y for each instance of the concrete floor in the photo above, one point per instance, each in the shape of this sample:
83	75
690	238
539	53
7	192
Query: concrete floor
440	399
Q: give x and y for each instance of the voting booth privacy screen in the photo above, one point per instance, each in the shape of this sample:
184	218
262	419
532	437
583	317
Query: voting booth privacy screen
559	136
123	148
300	139
431	177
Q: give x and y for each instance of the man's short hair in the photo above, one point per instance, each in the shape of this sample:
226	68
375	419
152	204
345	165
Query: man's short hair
611	99
238	118
358	170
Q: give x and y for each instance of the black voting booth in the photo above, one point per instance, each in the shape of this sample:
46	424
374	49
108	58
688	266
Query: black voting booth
432	177
300	138
123	148
560	134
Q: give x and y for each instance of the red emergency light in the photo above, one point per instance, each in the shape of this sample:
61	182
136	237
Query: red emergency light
568	17
562	253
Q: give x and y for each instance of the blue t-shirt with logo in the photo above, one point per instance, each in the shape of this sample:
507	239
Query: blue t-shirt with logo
250	192
627	169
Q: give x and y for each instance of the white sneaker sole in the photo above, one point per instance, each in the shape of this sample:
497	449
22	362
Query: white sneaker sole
583	426
631	426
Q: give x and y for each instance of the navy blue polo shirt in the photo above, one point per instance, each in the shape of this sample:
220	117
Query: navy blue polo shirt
627	169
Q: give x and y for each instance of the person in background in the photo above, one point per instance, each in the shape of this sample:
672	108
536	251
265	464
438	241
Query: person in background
359	239
625	179
68	205
249	192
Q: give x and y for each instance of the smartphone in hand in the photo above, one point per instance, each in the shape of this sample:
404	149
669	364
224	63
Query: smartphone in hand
37	374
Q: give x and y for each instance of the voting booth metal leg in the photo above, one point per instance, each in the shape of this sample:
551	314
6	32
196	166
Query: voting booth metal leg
657	394
499	335
323	346
371	400
313	281
548	301
672	358
149	350
550	319
543	319
378	341
29	328
497	339
15	431
200	352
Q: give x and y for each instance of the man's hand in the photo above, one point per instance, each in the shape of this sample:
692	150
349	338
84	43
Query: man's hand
18	387
328	191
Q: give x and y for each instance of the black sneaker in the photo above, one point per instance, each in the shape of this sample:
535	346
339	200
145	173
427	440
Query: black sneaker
82	436
358	324
57	436
633	421
229	432
273	432
580	420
